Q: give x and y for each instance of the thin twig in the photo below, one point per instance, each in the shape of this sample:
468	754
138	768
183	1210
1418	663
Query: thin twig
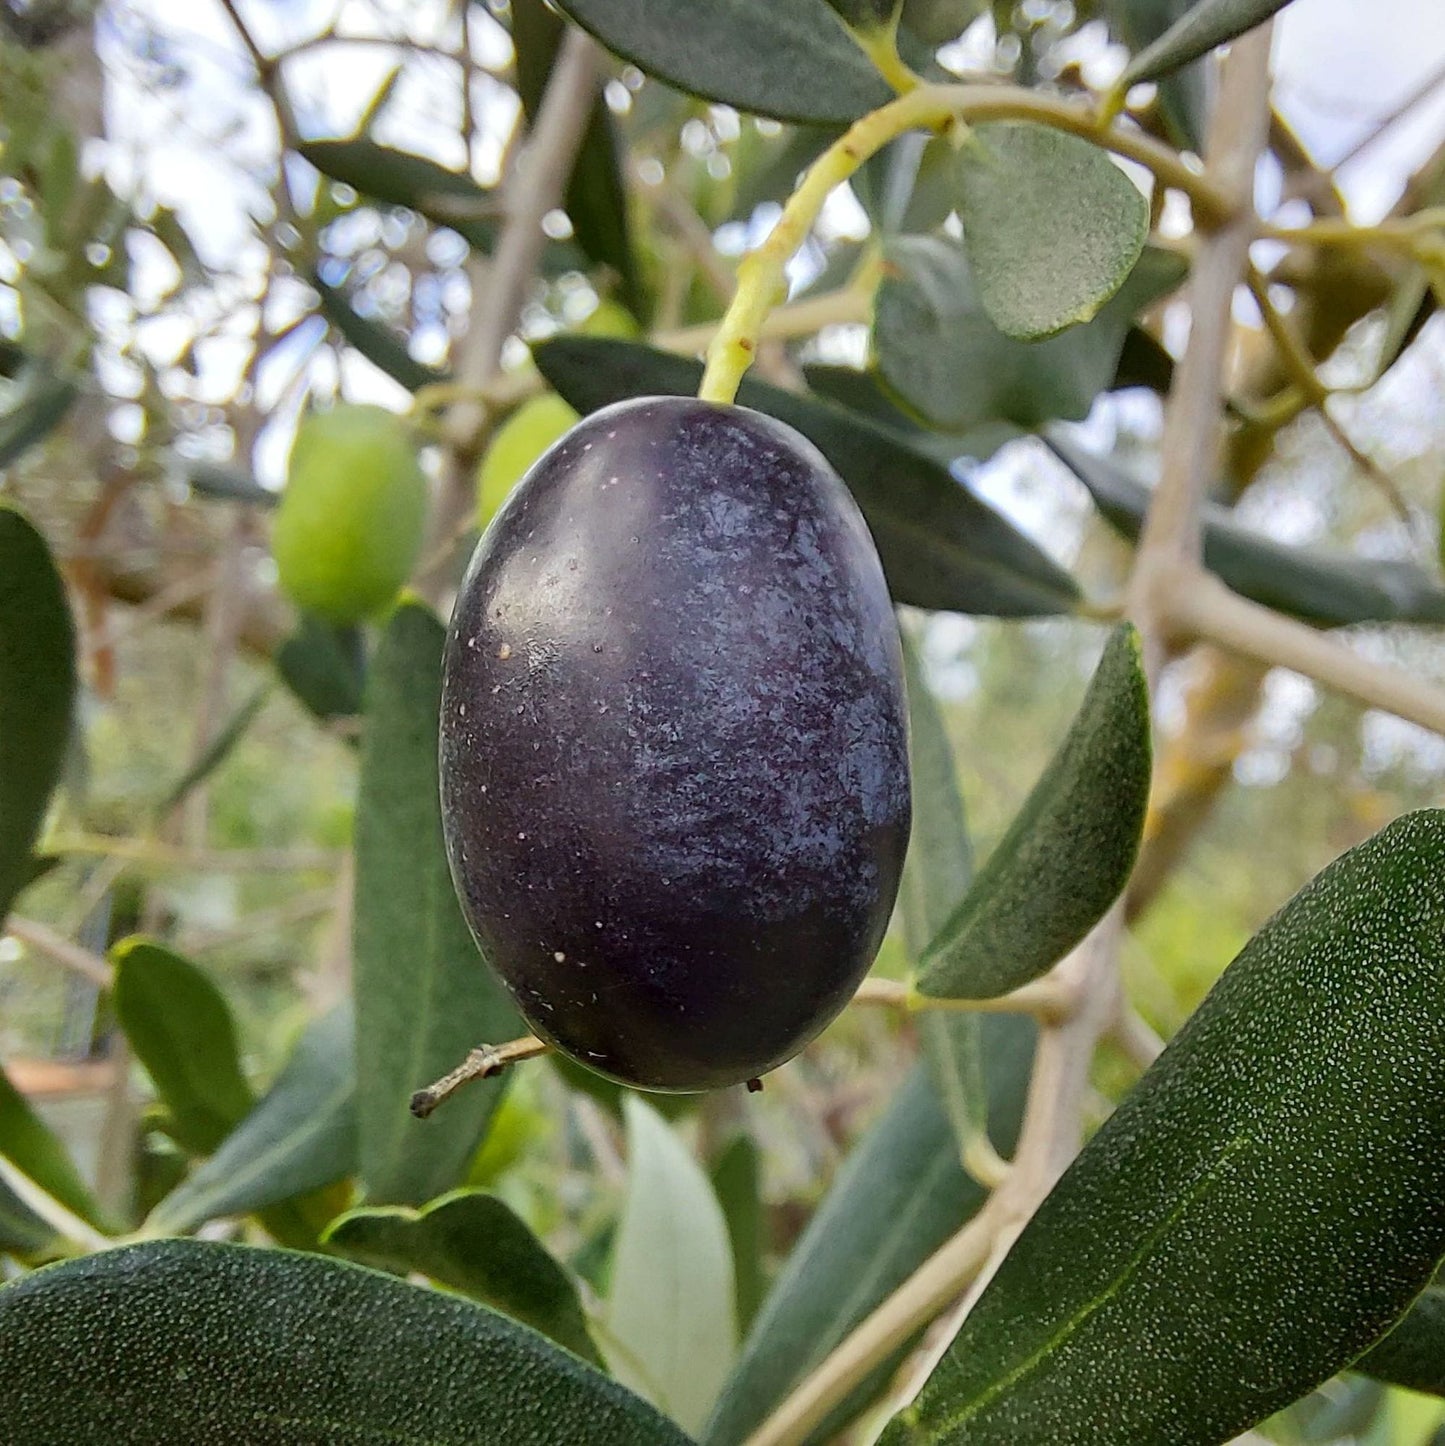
481	1063
45	940
534	187
1204	609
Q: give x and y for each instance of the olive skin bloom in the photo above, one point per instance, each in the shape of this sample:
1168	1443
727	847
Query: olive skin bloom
674	759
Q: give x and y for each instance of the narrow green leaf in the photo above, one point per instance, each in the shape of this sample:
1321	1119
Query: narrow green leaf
424	996
399	178
225	482
474	1243
1067	855
791	62
216	752
325	667
596	200
1051	225
936	875
1183	97
938	352
866	16
35	1152
671	1325
940	545
737	1184
38	404
301	1136
37	694
899	1195
1203	26
1278	1174
384	349
22	1232
181	1030
184	1340
1413	1353
1327	590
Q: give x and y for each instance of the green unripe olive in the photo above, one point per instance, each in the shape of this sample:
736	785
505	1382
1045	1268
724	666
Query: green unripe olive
518	442
350	525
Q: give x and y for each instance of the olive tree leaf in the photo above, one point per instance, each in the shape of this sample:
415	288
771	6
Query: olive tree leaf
1413	1353
399	178
1315	587
22	1232
474	1243
671	1327
596	199
1258	1211
185	1340
941	547
1051	225
384	349
28	1144
899	1195
424	996
939	21
790	62
737	1184
216	752
1067	855
1183	97
866	15
38	404
180	1027
941	356
300	1136
936	876
1203	26
324	665
37	694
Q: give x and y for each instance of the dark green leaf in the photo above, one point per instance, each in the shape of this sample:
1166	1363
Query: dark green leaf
424	997
301	1136
226	483
384	349
1051	225
909	185
859	391
474	1243
186	1341
37	694
325	667
1067	855
596	200
1183	97
37	406
791	62
216	752
938	352
181	1030
900	1194
1413	1354
21	1231
1329	591
941	547
1277	1176
671	1329
398	178
737	1184
865	15
36	1153
1203	26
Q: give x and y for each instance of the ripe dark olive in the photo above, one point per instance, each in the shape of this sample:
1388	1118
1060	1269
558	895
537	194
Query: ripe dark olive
673	744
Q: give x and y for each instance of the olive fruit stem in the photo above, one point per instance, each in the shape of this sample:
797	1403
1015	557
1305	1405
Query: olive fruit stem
762	275
1045	999
481	1063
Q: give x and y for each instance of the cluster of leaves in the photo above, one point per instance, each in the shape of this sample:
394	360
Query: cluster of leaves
1265	1205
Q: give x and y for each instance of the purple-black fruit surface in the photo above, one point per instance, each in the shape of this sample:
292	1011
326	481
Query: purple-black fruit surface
674	744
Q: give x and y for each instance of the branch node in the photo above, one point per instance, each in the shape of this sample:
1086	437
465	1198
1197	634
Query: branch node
482	1062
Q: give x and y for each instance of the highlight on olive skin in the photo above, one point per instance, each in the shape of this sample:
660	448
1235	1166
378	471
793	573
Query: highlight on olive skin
674	746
